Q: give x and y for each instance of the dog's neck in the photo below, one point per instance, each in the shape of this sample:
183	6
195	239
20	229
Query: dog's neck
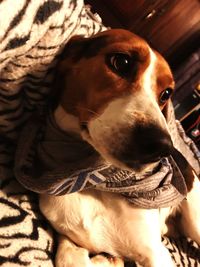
66	121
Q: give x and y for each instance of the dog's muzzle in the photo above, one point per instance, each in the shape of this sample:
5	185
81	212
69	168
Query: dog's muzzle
145	144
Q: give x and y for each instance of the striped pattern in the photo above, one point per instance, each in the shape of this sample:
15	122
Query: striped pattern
78	181
32	34
184	252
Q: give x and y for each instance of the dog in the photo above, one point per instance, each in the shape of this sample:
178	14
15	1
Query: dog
113	91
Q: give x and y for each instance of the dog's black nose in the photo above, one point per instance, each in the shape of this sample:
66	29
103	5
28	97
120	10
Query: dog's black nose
147	144
152	150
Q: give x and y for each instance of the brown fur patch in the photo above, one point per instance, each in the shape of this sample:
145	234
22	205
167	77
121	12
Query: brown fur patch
85	80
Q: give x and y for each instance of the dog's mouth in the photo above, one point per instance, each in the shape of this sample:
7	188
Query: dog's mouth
128	164
140	167
139	156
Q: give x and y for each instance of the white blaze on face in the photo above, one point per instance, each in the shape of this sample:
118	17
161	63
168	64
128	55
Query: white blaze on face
149	87
149	79
111	128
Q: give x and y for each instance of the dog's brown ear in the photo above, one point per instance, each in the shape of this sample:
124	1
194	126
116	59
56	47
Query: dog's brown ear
65	62
79	46
74	47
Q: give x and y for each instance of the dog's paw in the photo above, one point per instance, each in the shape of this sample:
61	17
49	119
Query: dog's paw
79	258
76	257
102	261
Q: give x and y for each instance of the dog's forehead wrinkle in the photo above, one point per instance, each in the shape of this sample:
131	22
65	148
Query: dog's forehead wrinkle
132	48
123	41
96	44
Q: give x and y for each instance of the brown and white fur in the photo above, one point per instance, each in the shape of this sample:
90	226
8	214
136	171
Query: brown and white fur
106	107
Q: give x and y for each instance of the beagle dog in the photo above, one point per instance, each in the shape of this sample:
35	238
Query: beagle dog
111	85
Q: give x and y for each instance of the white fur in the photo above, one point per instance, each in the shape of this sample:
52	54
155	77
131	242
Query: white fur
99	221
95	221
190	211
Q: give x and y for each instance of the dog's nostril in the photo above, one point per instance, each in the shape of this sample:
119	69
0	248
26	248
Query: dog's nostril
162	144
154	143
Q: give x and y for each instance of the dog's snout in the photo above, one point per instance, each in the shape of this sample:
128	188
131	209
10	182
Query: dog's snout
146	144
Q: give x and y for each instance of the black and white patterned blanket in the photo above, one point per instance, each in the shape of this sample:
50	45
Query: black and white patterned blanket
32	35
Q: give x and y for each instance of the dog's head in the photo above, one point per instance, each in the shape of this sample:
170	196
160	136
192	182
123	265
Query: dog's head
113	91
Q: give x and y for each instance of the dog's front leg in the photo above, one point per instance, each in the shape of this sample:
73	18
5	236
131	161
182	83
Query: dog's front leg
145	240
190	212
70	255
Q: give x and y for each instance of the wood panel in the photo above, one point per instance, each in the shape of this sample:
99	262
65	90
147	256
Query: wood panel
171	26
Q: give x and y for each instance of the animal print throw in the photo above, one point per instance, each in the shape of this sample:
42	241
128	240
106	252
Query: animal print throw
51	161
32	35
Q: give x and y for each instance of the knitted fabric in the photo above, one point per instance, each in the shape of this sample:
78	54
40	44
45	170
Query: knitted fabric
32	35
51	161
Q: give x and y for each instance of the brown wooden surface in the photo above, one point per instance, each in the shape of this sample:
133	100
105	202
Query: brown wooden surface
171	26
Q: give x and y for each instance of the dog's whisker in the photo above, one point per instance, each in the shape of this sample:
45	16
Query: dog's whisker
90	110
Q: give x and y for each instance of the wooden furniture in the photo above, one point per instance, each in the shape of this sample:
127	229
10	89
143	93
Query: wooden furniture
171	26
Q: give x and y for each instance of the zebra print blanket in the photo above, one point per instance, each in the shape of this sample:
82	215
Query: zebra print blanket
32	34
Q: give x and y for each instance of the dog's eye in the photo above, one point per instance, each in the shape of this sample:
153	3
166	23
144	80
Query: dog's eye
120	63
165	95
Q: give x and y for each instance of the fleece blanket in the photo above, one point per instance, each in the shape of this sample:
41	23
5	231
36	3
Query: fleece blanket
32	35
